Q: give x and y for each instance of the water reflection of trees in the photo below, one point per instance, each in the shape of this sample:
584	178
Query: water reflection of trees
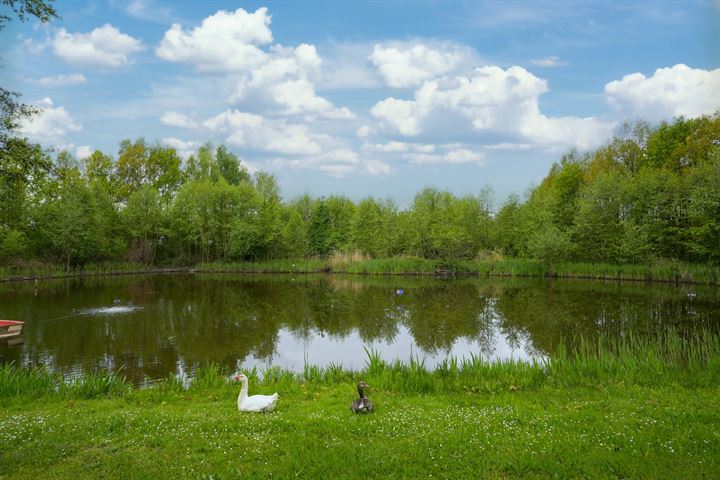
186	320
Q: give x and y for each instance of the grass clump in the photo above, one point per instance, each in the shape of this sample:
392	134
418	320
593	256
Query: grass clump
664	358
300	265
40	382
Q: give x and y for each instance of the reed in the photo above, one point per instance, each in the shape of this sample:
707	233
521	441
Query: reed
312	265
665	359
340	261
491	264
17	382
29	383
394	265
96	385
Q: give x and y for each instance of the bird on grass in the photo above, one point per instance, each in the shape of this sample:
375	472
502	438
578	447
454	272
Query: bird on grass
362	404
253	403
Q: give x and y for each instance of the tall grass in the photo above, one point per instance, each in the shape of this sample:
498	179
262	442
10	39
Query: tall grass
340	261
394	265
35	269
311	265
491	264
41	382
664	359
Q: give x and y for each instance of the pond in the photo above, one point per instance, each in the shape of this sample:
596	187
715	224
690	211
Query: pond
151	326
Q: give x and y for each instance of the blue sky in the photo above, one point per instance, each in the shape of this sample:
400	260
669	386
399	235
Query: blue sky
365	98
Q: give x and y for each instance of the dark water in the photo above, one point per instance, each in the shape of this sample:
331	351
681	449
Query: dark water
151	326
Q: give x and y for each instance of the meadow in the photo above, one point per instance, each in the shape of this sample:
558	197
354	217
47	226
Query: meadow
615	408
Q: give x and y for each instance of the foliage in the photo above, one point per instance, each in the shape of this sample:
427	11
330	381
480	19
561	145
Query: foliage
649	195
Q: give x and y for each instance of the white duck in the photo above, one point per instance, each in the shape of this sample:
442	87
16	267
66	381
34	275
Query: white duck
254	403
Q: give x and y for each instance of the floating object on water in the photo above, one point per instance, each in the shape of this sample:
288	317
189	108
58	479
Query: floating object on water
114	310
116	301
692	295
362	404
399	291
253	403
10	328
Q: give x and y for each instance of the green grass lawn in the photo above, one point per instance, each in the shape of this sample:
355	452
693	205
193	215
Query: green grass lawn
614	408
551	432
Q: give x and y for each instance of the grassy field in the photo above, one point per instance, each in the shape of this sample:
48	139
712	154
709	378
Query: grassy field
634	408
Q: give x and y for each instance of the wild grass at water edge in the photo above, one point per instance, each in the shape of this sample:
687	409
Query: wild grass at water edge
664	359
661	271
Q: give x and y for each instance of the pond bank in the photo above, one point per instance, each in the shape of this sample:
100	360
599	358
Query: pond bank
631	408
667	272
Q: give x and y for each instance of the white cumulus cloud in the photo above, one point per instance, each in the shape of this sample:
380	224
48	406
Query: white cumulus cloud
410	65
175	119
493	101
283	85
225	41
183	148
456	156
669	92
402	116
50	126
254	131
104	47
274	79
377	167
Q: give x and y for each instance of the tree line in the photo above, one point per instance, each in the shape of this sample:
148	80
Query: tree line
649	193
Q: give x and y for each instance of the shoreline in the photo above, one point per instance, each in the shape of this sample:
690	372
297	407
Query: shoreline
605	415
426	268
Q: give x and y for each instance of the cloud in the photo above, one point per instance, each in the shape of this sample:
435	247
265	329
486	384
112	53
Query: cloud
402	116
298	146
364	131
399	147
376	167
410	65
50	126
283	85
148	10
175	119
298	96
346	67
254	131
183	148
224	42
551	61
278	81
491	103
669	92
60	80
83	151
456	156
104	47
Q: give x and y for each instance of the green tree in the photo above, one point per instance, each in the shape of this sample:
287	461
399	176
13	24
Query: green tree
367	228
319	229
145	222
65	220
550	245
229	167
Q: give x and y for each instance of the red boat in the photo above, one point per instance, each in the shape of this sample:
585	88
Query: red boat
10	328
